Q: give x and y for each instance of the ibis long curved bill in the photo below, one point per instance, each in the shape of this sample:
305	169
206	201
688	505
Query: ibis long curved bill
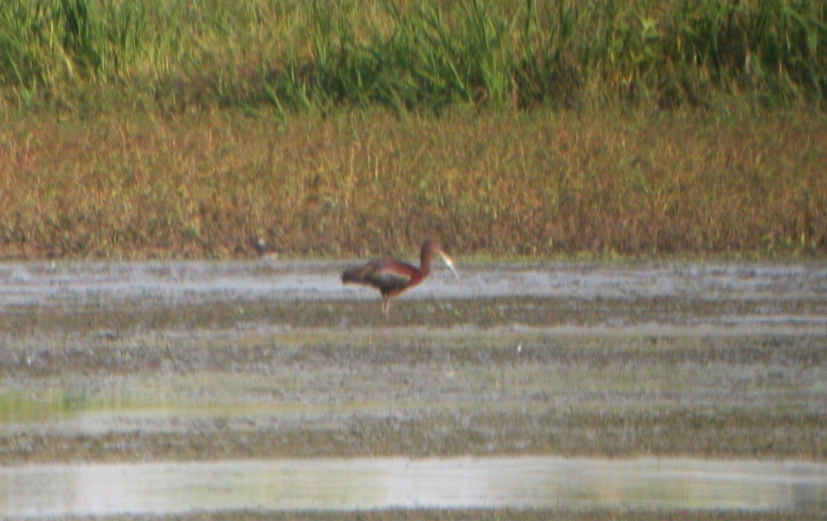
450	263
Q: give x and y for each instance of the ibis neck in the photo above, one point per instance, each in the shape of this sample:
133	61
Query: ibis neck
425	261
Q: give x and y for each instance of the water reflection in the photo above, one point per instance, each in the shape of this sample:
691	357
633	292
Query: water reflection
337	484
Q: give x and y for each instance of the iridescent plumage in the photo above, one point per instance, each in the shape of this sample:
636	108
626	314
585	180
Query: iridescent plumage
391	277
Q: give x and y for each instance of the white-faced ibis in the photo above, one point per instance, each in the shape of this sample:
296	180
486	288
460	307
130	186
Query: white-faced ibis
391	277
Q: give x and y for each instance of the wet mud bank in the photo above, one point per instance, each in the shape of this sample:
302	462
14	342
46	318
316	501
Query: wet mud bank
113	300
389	393
212	361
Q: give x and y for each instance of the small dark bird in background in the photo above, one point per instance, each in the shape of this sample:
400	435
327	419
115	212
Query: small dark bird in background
261	249
261	246
391	277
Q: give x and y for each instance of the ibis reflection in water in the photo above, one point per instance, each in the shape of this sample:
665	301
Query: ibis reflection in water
391	277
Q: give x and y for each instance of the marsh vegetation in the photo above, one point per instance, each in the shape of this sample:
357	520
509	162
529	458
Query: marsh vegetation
504	128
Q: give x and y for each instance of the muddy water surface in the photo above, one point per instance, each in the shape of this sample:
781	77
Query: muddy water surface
238	363
68	282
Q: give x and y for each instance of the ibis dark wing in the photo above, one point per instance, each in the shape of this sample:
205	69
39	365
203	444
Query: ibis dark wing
386	276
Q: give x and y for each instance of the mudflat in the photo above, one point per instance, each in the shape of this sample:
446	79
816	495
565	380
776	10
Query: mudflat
133	362
184	361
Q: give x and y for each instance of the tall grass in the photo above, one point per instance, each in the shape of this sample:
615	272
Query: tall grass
297	56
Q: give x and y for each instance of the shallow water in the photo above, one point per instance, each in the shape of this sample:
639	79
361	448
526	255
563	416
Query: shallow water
113	300
238	361
336	484
67	282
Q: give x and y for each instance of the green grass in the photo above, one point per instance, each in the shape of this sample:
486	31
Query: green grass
298	56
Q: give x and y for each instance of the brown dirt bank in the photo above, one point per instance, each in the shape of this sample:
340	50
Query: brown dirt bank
531	184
